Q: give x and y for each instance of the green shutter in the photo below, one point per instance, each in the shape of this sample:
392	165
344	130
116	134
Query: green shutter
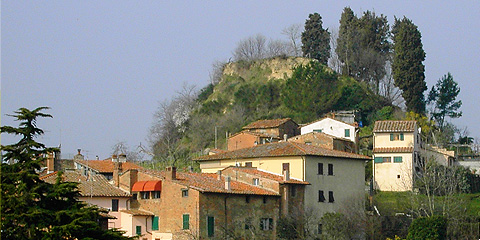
401	137
138	230
347	132
210	226
186	221
397	159
391	136
155	223
378	160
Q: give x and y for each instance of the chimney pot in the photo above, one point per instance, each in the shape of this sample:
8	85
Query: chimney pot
79	150
171	173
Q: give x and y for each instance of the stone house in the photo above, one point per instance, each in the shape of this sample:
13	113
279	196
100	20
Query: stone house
336	178
246	139
177	205
324	140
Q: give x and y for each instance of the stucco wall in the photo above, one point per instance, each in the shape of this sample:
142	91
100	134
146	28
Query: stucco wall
242	140
106	202
332	127
392	176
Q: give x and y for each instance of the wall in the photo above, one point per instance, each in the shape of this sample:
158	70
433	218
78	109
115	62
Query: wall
130	222
332	127
242	140
106	202
394	176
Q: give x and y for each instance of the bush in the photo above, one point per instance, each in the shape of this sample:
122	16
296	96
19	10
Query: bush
434	228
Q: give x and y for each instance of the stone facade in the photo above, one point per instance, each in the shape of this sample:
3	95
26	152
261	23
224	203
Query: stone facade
326	141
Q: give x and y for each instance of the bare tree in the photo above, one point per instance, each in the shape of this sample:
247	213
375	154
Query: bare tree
276	48
123	148
388	89
294	33
216	72
251	48
334	62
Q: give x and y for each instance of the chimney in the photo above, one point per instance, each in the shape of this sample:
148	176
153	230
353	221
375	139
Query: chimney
50	162
114	158
227	183
286	175
285	136
117	169
171	173
122	157
219	175
133	178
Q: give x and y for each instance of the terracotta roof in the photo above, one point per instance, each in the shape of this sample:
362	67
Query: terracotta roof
208	182
281	149
269	123
95	186
137	212
394	126
267	175
106	166
262	135
393	150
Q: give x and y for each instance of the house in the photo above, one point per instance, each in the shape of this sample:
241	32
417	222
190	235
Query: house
104	167
332	127
246	139
396	154
324	140
238	203
335	177
96	190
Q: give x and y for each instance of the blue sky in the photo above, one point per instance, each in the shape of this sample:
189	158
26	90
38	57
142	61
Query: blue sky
103	66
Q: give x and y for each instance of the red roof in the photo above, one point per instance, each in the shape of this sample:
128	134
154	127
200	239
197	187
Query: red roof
209	183
106	166
269	123
281	149
394	126
148	186
256	134
393	150
272	176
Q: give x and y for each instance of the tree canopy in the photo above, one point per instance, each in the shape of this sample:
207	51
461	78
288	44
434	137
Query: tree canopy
407	67
443	98
32	208
316	39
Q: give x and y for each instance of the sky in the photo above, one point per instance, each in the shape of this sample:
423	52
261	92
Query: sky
104	66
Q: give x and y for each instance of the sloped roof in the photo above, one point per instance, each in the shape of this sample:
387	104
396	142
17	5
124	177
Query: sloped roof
281	149
394	126
393	150
208	182
95	185
268	175
106	166
137	212
257	134
268	123
298	137
321	119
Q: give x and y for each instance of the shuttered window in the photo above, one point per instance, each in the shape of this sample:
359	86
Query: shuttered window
210	226
378	160
138	230
186	221
397	159
155	223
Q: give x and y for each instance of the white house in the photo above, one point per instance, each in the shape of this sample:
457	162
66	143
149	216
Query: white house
332	127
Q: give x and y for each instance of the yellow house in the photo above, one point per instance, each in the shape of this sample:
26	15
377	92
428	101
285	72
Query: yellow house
337	178
396	155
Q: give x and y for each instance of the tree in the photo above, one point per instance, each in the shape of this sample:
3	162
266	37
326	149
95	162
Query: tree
408	69
315	39
293	33
311	90
432	228
443	98
251	48
32	208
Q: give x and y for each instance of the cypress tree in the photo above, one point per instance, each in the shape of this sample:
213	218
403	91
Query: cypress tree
315	39
407	67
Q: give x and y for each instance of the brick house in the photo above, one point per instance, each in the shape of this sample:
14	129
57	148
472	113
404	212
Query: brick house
336	178
96	190
207	205
324	140
246	139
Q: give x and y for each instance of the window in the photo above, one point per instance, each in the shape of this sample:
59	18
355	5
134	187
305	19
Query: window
264	199
156	194
308	143
266	224
396	137
293	191
397	159
248	164
320	168
382	159
330	196
155	223
286	166
210	226
247	199
114	205
186	221
138	230
319	229
330	169
398	176
184	192
321	197
134	196
347	132
256	182
317	130
145	195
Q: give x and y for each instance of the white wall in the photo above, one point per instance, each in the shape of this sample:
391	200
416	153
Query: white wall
331	127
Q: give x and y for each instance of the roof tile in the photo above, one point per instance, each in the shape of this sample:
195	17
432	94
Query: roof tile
393	150
268	123
106	166
394	126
